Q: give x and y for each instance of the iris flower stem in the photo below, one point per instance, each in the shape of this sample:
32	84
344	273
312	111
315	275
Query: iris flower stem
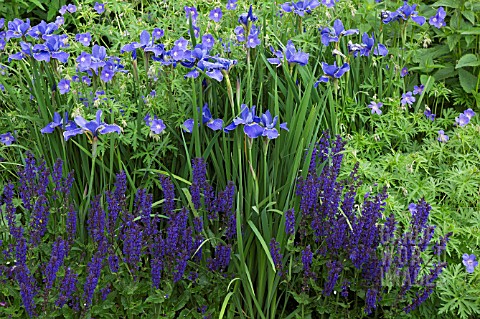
145	64
90	183
229	90
95	82
137	97
250	161
299	25
335	106
249	76
197	118
265	169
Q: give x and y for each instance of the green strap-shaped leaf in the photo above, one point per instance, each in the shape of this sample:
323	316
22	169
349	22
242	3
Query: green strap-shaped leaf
224	305
263	243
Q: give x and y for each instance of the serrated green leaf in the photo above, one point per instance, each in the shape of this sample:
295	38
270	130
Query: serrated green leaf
467	80
452	40
447	3
467	60
302	298
445	73
53	7
131	289
469	15
38	4
155	299
183	300
473	5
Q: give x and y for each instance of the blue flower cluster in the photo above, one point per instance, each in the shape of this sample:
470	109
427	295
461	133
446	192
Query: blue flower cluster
119	235
464	118
290	54
333	34
371	246
255	126
81	126
247	31
33	186
223	203
300	7
197	59
207	118
404	13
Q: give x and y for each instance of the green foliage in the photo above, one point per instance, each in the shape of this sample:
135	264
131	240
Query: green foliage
397	149
413	164
36	10
453	56
459	292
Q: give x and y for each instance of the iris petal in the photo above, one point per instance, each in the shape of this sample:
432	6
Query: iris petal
253	130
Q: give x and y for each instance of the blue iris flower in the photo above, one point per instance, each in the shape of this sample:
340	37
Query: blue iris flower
212	69
300	7
405	12
92	61
332	72
146	44
367	46
270	130
200	59
58	121
43	52
27	50
247	17
291	54
92	128
17	29
42	29
207	118
333	34
251	124
51	47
